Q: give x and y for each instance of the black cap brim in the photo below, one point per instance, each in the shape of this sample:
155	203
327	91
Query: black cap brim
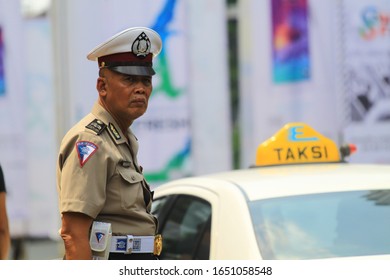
134	70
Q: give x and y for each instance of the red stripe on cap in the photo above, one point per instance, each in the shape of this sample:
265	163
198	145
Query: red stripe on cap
123	58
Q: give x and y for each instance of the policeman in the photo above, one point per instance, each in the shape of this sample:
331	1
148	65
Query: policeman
99	180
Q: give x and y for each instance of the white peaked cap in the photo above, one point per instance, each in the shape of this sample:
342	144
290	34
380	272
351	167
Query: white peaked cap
130	51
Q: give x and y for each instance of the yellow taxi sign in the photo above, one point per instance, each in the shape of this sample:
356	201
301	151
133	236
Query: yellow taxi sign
297	143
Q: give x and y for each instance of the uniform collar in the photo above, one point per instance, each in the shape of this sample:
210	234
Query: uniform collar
112	126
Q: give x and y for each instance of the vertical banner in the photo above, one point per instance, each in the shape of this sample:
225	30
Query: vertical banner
27	126
164	131
290	41
2	76
287	68
13	136
186	130
367	83
40	127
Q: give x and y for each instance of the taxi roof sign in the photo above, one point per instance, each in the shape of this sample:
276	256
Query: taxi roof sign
297	143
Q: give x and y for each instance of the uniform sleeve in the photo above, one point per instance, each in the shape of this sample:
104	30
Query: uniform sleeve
83	175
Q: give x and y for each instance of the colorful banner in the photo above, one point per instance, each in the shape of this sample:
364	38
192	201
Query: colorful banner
164	131
302	87
2	76
13	132
290	41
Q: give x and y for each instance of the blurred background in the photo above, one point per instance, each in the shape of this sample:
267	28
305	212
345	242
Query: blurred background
231	73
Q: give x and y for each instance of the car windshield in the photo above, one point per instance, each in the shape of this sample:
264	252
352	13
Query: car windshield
340	224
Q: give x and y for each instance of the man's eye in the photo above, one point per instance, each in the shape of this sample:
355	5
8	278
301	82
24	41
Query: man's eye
130	79
134	79
147	81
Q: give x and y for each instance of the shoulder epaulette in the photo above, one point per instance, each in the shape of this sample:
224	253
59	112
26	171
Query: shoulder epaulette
97	126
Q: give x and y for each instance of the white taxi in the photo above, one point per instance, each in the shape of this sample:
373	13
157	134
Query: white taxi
300	201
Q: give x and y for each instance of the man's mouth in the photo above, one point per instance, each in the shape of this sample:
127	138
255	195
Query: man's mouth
139	101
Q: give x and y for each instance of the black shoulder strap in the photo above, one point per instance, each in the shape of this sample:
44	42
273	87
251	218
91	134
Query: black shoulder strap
97	126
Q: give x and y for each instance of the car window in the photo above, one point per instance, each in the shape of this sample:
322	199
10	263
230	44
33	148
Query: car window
157	205
186	229
341	224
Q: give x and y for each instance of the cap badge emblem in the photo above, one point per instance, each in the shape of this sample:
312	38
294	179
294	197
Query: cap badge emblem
141	45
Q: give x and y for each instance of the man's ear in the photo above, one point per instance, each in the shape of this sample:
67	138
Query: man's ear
101	85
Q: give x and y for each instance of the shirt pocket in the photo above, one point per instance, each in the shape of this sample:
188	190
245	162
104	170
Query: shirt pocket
131	188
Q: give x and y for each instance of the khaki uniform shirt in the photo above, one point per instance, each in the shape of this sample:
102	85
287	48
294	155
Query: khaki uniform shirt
98	175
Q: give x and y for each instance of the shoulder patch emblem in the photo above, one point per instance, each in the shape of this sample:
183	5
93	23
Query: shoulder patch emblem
85	150
97	126
114	131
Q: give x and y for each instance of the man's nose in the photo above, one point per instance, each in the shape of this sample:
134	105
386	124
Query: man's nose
140	88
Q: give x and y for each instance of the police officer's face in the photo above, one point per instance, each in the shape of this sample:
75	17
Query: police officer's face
125	96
